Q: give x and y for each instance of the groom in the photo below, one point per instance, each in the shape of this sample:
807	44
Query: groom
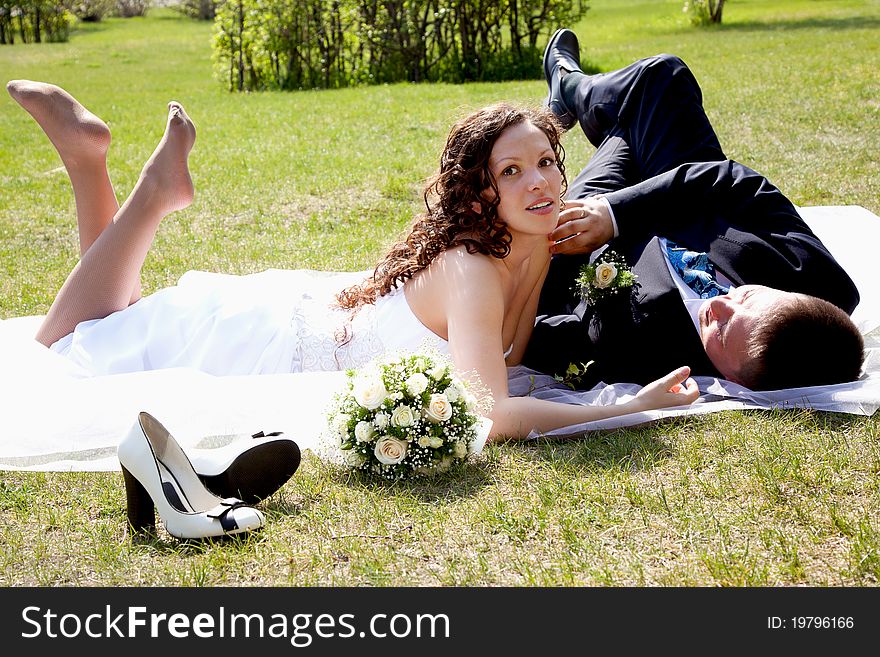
771	308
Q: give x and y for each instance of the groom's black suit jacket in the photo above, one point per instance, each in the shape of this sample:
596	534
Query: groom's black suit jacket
752	233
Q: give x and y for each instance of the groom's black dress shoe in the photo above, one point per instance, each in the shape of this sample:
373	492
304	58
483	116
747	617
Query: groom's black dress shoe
562	52
249	469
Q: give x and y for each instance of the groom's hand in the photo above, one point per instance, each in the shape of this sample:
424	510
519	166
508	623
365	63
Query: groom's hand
583	227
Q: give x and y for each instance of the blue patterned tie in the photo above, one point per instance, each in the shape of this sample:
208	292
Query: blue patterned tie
696	270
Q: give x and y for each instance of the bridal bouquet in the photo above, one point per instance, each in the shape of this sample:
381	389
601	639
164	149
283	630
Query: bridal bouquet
406	415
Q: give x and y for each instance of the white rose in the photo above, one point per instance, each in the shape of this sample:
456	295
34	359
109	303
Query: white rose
605	274
417	384
369	391
452	393
364	432
403	416
381	420
352	458
439	409
420	364
470	401
438	372
390	450
460	449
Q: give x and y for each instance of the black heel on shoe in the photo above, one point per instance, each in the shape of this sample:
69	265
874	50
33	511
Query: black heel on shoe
141	512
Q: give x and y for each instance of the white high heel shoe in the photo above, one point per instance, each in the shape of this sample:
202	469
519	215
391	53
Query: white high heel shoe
157	472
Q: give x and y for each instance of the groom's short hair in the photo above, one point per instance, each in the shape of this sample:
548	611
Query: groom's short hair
806	341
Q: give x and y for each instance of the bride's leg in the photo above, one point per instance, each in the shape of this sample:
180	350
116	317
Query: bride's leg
102	281
82	140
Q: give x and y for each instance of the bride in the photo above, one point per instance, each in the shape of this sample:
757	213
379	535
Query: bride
465	279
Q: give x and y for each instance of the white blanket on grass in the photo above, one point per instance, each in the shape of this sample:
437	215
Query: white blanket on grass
51	420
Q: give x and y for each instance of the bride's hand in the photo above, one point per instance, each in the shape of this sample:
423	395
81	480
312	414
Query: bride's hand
674	389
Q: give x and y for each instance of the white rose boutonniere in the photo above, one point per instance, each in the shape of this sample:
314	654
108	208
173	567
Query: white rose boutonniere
606	276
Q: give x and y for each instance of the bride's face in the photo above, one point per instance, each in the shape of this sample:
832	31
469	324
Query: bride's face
529	181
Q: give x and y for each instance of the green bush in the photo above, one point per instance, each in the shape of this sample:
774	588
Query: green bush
34	21
303	44
203	10
509	65
704	12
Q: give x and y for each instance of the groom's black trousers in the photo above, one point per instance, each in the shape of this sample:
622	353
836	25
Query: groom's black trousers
644	120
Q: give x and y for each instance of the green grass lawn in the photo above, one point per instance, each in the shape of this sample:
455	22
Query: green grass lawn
325	180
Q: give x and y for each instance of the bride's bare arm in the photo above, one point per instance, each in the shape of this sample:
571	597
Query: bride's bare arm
475	315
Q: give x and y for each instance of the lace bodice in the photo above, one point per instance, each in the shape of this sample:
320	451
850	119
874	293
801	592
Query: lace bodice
339	339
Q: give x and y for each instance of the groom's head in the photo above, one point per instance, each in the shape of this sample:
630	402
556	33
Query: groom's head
767	339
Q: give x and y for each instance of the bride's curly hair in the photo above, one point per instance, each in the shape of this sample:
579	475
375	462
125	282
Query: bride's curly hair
451	196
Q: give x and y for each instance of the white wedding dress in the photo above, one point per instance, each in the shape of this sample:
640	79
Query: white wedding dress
272	322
